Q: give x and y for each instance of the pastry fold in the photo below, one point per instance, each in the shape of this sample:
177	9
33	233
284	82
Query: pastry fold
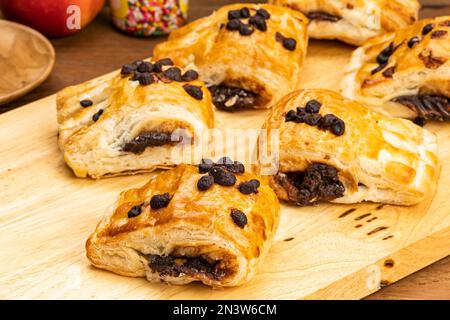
346	153
354	21
405	73
131	122
196	237
249	60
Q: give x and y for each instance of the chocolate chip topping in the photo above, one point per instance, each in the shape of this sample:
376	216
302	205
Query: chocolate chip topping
134	211
263	13
245	12
259	22
233	24
157	67
205	165
145	66
149	139
239	218
226	163
222	176
438	34
194	91
413	41
322	16
127	69
246	29
383	57
173	73
97	115
249	187
86	103
432	107
234	14
288	43
430	61
311	117
144	78
159	201
427	29
190	75
319	182
232	99
389	72
205	182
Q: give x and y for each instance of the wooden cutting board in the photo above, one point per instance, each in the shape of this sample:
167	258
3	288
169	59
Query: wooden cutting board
327	251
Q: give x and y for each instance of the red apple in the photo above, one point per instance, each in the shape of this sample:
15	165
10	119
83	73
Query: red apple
52	18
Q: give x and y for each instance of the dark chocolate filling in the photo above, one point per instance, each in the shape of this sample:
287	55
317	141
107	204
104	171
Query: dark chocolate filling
232	98
149	139
319	182
322	16
174	266
432	107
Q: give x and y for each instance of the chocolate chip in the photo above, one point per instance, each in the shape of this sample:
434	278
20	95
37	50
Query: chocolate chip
97	115
290	116
249	187
190	75
233	25
312	119
258	22
205	182
145	67
313	106
263	13
239	218
419	121
86	103
194	91
222	176
173	73
205	165
385	54
237	167
427	29
234	14
145	78
289	44
413	41
279	37
327	121
246	29
127	69
244	12
134	211
338	128
389	72
159	201
136	64
438	34
157	67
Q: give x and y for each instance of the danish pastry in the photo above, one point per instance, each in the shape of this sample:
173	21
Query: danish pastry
213	223
354	21
250	55
337	150
405	73
132	122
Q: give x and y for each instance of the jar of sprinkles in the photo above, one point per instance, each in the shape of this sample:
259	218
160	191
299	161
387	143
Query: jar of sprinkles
148	17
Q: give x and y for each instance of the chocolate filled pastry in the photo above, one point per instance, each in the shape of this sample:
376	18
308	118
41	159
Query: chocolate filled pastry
250	55
213	223
131	122
406	73
337	150
354	21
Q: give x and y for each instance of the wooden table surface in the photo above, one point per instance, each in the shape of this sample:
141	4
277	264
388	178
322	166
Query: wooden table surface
99	49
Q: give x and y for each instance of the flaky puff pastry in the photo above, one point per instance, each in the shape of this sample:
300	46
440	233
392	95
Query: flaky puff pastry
258	63
103	139
405	73
354	21
195	231
377	158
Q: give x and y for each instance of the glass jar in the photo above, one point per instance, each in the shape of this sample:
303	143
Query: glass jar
148	17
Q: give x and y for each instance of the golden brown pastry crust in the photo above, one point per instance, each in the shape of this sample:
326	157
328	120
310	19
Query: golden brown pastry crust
378	158
95	148
359	20
422	67
258	63
195	223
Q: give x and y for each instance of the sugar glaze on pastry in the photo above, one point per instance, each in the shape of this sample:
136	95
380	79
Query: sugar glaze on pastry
354	21
405	73
173	230
335	149
250	55
129	122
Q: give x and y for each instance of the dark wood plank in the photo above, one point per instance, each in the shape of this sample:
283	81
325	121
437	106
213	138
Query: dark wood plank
96	51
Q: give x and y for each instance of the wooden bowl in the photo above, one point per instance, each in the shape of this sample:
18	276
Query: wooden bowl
26	60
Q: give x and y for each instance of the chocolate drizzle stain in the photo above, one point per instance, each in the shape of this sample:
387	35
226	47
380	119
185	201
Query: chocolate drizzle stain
362	216
389	263
358	226
289	239
346	213
372	219
376	230
388	237
379	207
